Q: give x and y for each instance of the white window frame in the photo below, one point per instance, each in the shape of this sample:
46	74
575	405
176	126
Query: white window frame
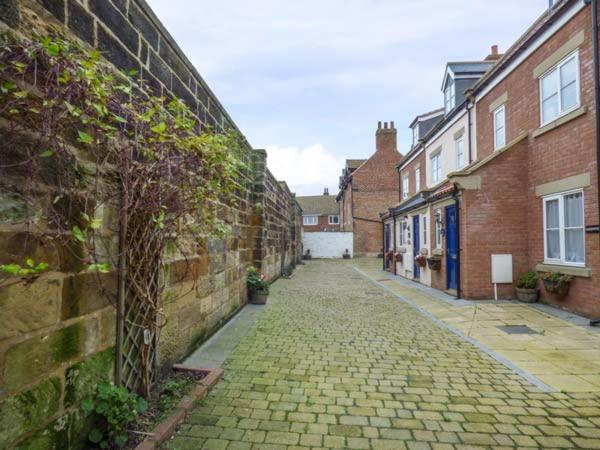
449	96
330	221
436	171
438	228
557	67
424	227
561	227
417	179
402	240
415	134
498	128
460	161
312	217
405	186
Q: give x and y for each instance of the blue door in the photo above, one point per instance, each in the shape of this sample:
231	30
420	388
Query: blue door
451	248
387	245
416	246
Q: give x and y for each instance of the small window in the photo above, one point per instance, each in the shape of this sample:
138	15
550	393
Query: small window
499	128
415	134
438	228
436	168
405	186
449	96
460	153
424	230
417	179
402	239
564	231
310	220
334	220
559	89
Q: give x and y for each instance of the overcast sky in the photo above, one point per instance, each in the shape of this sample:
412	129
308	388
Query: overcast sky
308	80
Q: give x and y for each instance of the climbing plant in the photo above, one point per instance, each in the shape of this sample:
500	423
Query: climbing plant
119	172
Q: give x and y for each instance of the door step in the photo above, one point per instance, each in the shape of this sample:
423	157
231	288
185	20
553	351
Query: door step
452	292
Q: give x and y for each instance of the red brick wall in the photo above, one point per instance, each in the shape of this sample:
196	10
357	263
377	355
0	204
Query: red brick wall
568	150
346	221
323	225
409	169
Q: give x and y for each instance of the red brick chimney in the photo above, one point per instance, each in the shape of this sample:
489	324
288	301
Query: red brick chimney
385	138
494	55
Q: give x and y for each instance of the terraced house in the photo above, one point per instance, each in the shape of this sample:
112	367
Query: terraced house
510	171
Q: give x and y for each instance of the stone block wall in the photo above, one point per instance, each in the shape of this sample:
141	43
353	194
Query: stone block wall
57	333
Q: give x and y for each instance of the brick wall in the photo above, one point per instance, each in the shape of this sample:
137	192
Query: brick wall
57	333
565	151
409	170
373	189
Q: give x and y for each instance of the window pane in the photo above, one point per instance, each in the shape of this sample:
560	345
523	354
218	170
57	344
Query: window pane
552	214
568	72
568	96
550	108
500	137
553	244
550	85
574	210
574	245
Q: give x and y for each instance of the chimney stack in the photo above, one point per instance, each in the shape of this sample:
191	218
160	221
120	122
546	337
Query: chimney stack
385	137
494	55
326	191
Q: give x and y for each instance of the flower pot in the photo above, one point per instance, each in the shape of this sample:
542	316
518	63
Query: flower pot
346	255
527	295
259	297
434	263
421	261
399	257
560	289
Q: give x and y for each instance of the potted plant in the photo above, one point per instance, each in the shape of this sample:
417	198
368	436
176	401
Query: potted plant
346	254
557	283
398	256
307	255
526	290
434	263
258	288
421	260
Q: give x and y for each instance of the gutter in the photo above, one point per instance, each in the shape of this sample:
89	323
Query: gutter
595	36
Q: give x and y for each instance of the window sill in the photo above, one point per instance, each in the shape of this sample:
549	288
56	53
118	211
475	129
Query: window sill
583	272
561	120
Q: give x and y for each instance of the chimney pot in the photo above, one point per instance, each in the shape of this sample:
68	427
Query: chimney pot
379	125
392	125
385	124
326	191
494	50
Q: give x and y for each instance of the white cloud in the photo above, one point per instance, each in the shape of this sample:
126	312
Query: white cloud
306	170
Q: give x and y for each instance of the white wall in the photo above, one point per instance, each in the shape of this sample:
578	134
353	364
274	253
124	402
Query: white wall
328	244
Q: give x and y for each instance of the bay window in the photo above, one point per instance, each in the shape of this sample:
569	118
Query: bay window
559	89
564	230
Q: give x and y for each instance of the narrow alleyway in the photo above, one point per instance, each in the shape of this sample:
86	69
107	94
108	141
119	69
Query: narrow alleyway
338	362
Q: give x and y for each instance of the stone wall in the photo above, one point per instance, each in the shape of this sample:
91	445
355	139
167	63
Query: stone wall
57	333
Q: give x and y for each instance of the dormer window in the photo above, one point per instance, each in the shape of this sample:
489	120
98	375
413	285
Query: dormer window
449	96
415	135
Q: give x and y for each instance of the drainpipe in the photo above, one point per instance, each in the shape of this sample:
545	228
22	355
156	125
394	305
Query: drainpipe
595	36
395	250
383	243
457	204
470	104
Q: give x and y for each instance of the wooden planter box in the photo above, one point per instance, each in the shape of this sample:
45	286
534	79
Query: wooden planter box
259	297
527	295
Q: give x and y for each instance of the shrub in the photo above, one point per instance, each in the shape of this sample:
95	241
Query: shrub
113	408
556	278
527	280
256	280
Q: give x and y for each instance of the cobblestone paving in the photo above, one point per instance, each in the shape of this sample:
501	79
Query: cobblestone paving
336	362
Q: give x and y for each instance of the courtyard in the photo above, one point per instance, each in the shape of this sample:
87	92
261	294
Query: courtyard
339	359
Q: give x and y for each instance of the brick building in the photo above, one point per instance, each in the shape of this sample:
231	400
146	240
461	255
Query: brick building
366	188
527	194
319	212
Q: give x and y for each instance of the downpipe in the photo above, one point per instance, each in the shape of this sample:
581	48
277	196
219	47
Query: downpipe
457	205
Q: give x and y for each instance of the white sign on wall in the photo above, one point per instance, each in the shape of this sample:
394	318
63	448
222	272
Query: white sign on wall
502	269
327	244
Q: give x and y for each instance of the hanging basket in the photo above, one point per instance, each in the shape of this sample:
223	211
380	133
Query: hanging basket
421	260
434	263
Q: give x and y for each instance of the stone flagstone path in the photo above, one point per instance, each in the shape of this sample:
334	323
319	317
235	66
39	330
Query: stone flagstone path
337	362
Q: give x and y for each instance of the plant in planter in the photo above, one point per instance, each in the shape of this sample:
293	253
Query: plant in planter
346	254
557	283
398	257
307	254
258	288
434	263
526	287
421	260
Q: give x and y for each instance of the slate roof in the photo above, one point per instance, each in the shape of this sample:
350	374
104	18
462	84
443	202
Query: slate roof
319	204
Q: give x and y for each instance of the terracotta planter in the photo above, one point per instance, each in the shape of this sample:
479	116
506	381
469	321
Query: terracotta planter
527	295
560	289
259	297
434	263
421	262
